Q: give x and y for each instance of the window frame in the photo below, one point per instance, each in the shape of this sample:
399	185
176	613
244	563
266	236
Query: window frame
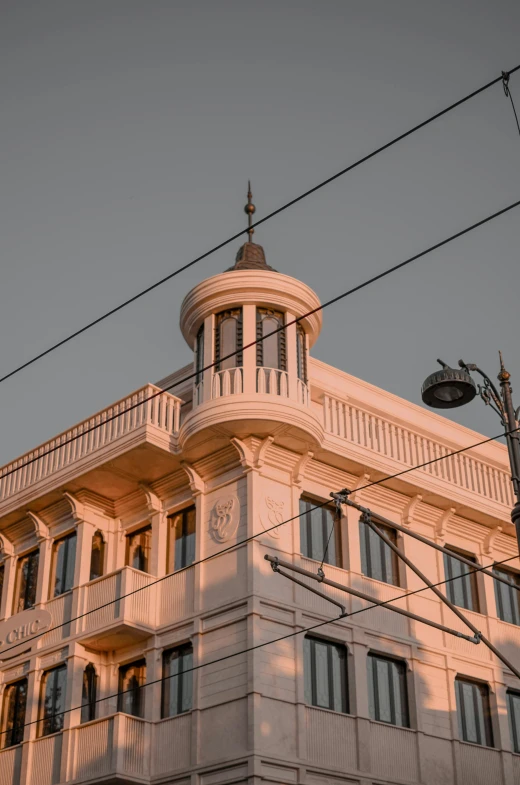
279	316
102	550
311	679
89	704
514	594
183	650
514	727
366	536
18	721
141	665
471	575
199	354
129	536
483	689
34	552
220	318
402	675
65	538
307	545
301	353
54	717
172	540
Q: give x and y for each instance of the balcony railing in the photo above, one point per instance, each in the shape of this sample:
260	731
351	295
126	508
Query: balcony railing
268	381
122	418
410	448
227	382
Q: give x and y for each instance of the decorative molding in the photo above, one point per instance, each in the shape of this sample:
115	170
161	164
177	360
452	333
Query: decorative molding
247	457
197	484
442	524
299	469
6	547
489	540
225	518
362	480
77	507
153	502
272	516
261	452
409	510
42	531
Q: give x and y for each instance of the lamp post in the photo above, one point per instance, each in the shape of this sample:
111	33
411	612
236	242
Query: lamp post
453	387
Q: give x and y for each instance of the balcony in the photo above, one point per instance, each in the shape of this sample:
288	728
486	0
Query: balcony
122	426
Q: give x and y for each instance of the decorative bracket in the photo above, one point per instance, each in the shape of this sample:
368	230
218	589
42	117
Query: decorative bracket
77	507
299	469
362	480
197	484
6	547
247	457
153	502
42	531
260	454
490	538
408	512
442	524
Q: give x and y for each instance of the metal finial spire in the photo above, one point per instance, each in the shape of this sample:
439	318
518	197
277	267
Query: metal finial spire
249	209
504	375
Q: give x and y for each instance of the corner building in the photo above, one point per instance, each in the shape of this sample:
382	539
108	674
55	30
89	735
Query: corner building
112	691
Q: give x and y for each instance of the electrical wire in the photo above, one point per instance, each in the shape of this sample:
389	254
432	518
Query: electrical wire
270	215
240	543
509	94
377	604
321	307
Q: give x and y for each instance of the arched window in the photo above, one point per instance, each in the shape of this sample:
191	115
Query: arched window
301	353
89	694
228	339
199	354
270	353
97	556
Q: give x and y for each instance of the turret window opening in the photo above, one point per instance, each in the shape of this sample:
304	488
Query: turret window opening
228	339
26	580
271	351
97	556
301	353
199	354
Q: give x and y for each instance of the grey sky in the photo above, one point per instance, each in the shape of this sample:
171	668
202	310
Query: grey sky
129	130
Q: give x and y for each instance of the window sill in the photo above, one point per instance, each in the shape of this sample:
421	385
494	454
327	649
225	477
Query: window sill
391	725
330	711
480	746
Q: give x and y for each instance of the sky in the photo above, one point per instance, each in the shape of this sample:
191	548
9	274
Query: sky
129	131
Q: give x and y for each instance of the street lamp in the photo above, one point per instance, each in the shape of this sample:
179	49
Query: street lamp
453	387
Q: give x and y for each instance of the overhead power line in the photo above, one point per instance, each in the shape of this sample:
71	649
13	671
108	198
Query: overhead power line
377	604
321	307
267	217
243	542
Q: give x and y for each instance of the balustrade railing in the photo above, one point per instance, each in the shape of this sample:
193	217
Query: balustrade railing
272	381
410	448
118	420
227	382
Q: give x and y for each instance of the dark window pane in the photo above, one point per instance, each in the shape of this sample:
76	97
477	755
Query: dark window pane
89	694
473	713
270	352
507	597
462	590
177	681
13	714
182	539
387	694
199	354
514	719
301	357
52	706
138	549
2	575
378	561
325	674
228	339
64	564
132	678
97	556
26	581
317	528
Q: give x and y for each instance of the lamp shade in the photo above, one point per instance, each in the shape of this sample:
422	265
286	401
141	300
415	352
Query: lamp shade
448	388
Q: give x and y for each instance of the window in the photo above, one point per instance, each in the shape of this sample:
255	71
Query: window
181	539
301	353
199	354
387	694
2	573
177	680
97	556
26	579
316	529
13	713
89	694
138	546
378	561
513	700
463	590
52	701
507	599
325	671
64	561
270	353
473	712
228	339
132	678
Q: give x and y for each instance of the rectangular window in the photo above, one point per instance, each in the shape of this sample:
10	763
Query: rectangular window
325	671
2	575
513	700
132	679
507	599
138	547
316	530
89	694
52	701
181	535
26	580
473	712
64	562
177	680
378	561
387	694
461	591
228	339
13	713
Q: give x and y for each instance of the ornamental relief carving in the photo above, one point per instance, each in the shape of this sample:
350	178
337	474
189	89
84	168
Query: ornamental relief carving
272	515
225	518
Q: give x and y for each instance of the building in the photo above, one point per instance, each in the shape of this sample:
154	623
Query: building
90	521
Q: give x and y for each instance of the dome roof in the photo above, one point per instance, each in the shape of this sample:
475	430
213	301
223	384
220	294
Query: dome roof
250	256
